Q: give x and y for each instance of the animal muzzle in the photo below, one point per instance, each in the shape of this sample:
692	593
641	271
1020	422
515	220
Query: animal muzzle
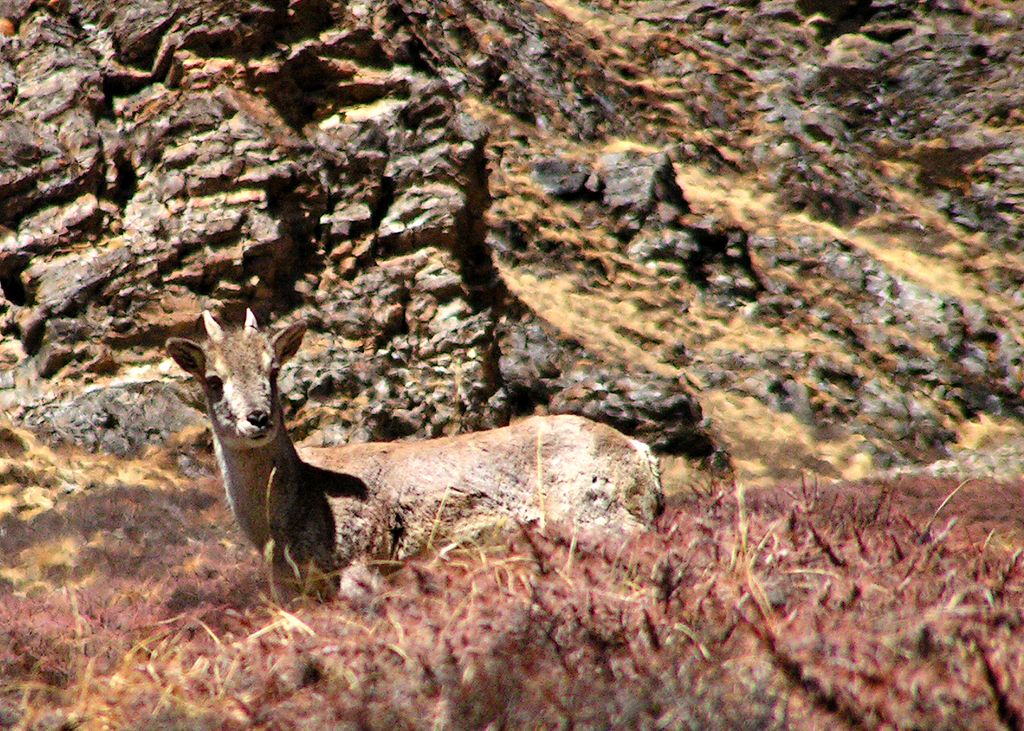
257	423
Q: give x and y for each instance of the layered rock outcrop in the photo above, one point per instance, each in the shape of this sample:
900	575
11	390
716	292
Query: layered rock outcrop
783	230
829	258
168	158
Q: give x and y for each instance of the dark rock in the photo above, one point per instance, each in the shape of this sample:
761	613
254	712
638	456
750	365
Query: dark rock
677	246
423	217
138	30
636	183
425	366
843	251
537	370
121	420
561	178
52	358
790	396
658	410
530	362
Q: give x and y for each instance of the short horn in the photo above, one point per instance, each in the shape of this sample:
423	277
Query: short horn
250	320
213	330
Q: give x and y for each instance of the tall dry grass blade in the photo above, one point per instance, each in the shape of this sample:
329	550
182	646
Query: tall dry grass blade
743	557
927	526
541	498
437	519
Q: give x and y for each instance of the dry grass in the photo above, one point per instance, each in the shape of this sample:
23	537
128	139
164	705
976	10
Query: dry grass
986	432
598	321
862	604
747	205
765	445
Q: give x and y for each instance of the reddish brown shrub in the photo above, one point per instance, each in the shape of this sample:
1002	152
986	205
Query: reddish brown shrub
801	606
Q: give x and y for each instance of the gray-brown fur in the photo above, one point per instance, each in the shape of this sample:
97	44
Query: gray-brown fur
323	509
279	501
545	468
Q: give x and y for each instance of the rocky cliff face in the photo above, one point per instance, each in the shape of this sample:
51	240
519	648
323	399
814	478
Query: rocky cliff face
785	231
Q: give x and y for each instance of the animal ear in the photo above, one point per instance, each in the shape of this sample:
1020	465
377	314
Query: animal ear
188	355
287	342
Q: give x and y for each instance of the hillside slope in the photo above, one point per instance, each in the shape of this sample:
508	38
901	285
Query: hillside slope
777	239
783	232
809	209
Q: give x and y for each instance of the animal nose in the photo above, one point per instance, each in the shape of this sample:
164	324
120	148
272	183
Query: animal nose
259	418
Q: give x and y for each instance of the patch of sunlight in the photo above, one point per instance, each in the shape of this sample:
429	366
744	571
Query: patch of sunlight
756	210
986	432
40	567
766	445
596	321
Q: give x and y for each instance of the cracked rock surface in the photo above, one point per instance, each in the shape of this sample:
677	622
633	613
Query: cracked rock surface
781	231
166	158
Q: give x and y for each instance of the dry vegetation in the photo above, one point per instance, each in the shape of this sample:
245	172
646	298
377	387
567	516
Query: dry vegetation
865	604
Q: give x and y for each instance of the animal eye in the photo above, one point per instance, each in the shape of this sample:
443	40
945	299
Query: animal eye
215	384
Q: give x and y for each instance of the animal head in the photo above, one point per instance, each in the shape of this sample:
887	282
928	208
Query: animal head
238	371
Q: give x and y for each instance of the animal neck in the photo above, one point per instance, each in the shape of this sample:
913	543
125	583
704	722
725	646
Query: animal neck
259	482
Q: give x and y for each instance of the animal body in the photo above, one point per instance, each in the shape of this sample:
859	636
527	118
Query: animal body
313	512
